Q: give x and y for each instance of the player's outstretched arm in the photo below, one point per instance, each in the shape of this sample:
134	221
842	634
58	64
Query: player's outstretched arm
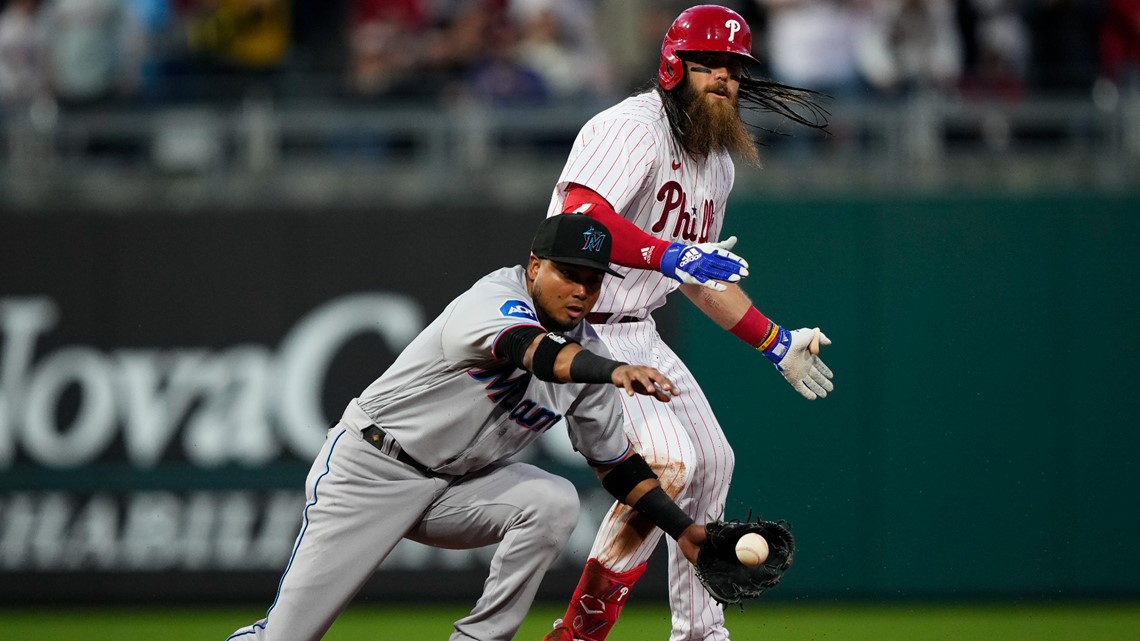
794	353
708	265
560	359
575	364
633	483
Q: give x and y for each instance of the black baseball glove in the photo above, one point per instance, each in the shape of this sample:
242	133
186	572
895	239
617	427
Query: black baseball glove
725	577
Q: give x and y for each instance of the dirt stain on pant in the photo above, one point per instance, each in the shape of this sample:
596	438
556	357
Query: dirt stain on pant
629	529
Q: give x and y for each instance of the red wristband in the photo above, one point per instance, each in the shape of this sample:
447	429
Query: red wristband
754	328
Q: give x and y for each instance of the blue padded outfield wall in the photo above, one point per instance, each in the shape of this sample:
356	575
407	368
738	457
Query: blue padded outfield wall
165	380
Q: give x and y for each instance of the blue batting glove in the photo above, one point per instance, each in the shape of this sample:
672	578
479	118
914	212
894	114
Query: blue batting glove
706	264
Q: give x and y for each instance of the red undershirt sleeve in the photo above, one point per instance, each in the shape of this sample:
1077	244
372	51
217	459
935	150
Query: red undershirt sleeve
632	246
637	249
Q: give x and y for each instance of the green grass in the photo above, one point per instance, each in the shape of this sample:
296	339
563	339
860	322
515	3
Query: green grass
780	622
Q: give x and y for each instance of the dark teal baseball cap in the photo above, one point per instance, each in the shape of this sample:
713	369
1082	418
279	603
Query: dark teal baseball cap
575	239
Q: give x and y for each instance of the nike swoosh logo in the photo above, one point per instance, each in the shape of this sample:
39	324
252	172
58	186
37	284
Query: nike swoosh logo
676	165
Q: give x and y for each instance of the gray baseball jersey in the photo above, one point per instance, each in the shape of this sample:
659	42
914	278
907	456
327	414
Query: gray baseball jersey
455	406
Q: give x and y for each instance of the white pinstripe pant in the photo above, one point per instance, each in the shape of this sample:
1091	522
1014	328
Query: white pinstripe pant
685	446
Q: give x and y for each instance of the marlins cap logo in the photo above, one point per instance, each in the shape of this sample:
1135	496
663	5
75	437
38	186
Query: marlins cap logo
517	309
594	240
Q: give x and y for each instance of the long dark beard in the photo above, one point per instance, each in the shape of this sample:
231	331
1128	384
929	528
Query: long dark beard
702	127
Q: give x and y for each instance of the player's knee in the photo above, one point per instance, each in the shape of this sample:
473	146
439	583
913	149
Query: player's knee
673	475
728	461
555	507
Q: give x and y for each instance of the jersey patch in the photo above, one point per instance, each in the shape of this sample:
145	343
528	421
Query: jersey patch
518	309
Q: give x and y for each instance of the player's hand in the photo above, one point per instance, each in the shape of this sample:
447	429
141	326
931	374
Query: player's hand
705	264
793	357
639	379
691	541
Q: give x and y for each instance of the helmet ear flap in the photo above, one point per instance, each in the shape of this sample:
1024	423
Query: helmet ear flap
672	69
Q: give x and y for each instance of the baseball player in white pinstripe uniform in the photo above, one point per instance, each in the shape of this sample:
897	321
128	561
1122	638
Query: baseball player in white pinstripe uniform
656	169
422	452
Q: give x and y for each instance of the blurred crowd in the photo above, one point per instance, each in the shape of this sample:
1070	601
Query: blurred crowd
974	48
91	52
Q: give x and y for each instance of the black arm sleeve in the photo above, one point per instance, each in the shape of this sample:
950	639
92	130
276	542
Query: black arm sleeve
663	512
542	363
588	367
625	476
514	342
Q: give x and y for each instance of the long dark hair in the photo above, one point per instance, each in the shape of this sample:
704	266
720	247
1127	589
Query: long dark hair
801	106
797	104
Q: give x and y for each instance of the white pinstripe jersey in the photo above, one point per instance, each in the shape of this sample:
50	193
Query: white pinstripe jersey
627	155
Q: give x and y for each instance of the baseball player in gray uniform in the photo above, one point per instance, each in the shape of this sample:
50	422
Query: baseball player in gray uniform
423	453
656	169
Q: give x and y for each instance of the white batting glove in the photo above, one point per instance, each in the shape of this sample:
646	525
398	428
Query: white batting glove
792	355
706	264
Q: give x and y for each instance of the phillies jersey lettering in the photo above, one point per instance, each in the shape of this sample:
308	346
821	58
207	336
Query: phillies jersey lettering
626	154
685	229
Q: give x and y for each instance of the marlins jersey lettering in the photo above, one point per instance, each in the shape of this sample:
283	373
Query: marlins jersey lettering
627	156
455	406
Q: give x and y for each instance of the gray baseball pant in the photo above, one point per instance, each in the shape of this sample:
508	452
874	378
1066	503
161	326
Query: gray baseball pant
360	503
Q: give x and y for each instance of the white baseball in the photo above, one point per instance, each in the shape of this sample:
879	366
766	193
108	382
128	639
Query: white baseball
751	549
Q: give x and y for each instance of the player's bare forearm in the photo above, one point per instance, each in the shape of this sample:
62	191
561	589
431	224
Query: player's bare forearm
725	308
574	364
795	353
691	540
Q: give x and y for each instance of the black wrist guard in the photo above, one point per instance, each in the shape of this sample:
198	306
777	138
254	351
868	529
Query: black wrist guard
663	512
546	353
588	367
623	477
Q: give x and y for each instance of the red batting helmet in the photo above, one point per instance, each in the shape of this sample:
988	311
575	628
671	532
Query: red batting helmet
706	27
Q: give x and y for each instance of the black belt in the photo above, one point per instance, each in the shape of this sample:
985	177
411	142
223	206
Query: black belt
376	437
604	318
